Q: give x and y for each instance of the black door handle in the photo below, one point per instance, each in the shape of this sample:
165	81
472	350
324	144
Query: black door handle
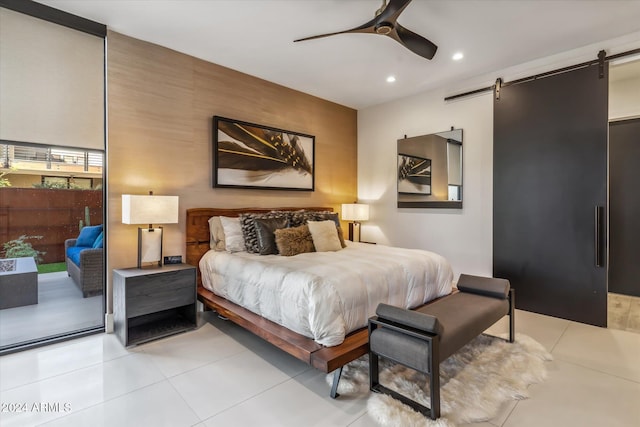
598	236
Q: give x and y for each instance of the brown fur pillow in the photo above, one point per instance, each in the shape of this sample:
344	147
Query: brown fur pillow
294	241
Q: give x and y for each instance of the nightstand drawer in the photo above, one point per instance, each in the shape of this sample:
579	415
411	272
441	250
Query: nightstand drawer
156	292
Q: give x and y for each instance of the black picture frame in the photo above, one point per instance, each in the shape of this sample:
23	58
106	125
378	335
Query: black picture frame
414	175
248	155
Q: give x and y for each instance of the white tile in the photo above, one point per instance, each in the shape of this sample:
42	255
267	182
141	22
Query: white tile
546	330
257	345
81	388
633	322
618	309
577	396
607	350
300	401
363	420
184	352
220	385
503	413
156	405
45	362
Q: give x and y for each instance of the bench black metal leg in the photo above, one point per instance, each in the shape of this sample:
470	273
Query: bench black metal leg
410	403
336	379
434	378
373	370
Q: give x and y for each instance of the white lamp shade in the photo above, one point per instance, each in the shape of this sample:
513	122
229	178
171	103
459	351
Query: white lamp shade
149	209
355	212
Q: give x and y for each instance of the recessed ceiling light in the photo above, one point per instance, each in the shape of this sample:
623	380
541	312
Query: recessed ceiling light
457	56
391	79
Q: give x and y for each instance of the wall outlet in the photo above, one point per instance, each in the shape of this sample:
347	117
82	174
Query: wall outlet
173	259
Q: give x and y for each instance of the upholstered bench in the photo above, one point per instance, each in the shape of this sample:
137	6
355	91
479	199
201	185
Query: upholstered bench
421	339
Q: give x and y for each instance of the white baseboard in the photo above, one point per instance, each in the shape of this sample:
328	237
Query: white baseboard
108	323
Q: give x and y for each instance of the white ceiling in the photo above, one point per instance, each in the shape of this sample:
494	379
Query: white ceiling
256	37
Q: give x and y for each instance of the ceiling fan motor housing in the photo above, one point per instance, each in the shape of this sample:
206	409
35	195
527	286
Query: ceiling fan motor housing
384	28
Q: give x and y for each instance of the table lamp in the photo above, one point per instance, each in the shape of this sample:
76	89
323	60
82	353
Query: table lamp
149	210
354	213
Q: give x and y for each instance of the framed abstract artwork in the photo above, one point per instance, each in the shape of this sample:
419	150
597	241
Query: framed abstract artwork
414	175
248	155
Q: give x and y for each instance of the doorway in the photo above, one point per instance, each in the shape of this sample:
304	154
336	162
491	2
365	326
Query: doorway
624	147
624	226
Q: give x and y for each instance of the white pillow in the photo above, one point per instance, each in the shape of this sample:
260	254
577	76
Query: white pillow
324	235
234	241
216	233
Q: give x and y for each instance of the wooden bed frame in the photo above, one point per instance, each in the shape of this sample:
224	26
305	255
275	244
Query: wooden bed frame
326	359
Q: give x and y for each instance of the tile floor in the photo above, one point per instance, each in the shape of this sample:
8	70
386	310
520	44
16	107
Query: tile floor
60	309
623	312
221	375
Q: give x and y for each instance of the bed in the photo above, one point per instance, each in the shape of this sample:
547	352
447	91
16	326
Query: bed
334	333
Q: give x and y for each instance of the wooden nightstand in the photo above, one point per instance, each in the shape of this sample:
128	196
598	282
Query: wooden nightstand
151	303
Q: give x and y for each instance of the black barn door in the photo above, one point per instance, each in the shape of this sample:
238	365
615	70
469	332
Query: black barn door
624	206
550	183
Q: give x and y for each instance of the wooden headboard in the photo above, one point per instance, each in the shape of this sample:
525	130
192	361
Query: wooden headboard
198	227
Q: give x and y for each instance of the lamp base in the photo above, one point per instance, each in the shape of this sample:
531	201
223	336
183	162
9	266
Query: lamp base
150	247
354	231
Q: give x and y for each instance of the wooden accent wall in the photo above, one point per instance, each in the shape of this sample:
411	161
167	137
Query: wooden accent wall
160	109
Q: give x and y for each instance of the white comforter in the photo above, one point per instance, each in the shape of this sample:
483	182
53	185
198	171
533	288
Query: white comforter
326	295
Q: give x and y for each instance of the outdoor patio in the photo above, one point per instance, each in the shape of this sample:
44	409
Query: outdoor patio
61	309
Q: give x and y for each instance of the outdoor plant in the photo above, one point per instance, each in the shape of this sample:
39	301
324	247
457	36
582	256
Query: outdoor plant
19	248
51	185
58	186
4	182
87	219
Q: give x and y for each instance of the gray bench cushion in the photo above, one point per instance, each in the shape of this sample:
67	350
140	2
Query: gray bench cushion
413	319
487	286
413	352
463	316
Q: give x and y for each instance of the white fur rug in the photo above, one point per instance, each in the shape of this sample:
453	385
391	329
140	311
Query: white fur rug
474	382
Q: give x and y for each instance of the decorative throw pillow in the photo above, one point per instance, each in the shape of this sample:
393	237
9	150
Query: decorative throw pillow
298	218
294	241
99	242
216	233
247	222
234	242
88	235
325	215
324	235
265	228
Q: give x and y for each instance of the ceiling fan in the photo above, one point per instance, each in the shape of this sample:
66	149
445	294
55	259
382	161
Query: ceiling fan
385	24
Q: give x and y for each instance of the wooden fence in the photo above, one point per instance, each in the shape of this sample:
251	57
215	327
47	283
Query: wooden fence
53	214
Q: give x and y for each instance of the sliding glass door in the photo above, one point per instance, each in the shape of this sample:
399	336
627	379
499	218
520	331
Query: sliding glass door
52	149
48	198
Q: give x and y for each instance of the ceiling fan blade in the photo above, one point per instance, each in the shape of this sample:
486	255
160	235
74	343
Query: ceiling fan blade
368	27
385	24
392	11
414	42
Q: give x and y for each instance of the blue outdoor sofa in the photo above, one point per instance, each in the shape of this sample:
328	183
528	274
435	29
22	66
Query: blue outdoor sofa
85	260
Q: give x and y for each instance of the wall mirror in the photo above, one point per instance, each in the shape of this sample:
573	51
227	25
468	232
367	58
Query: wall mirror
430	171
